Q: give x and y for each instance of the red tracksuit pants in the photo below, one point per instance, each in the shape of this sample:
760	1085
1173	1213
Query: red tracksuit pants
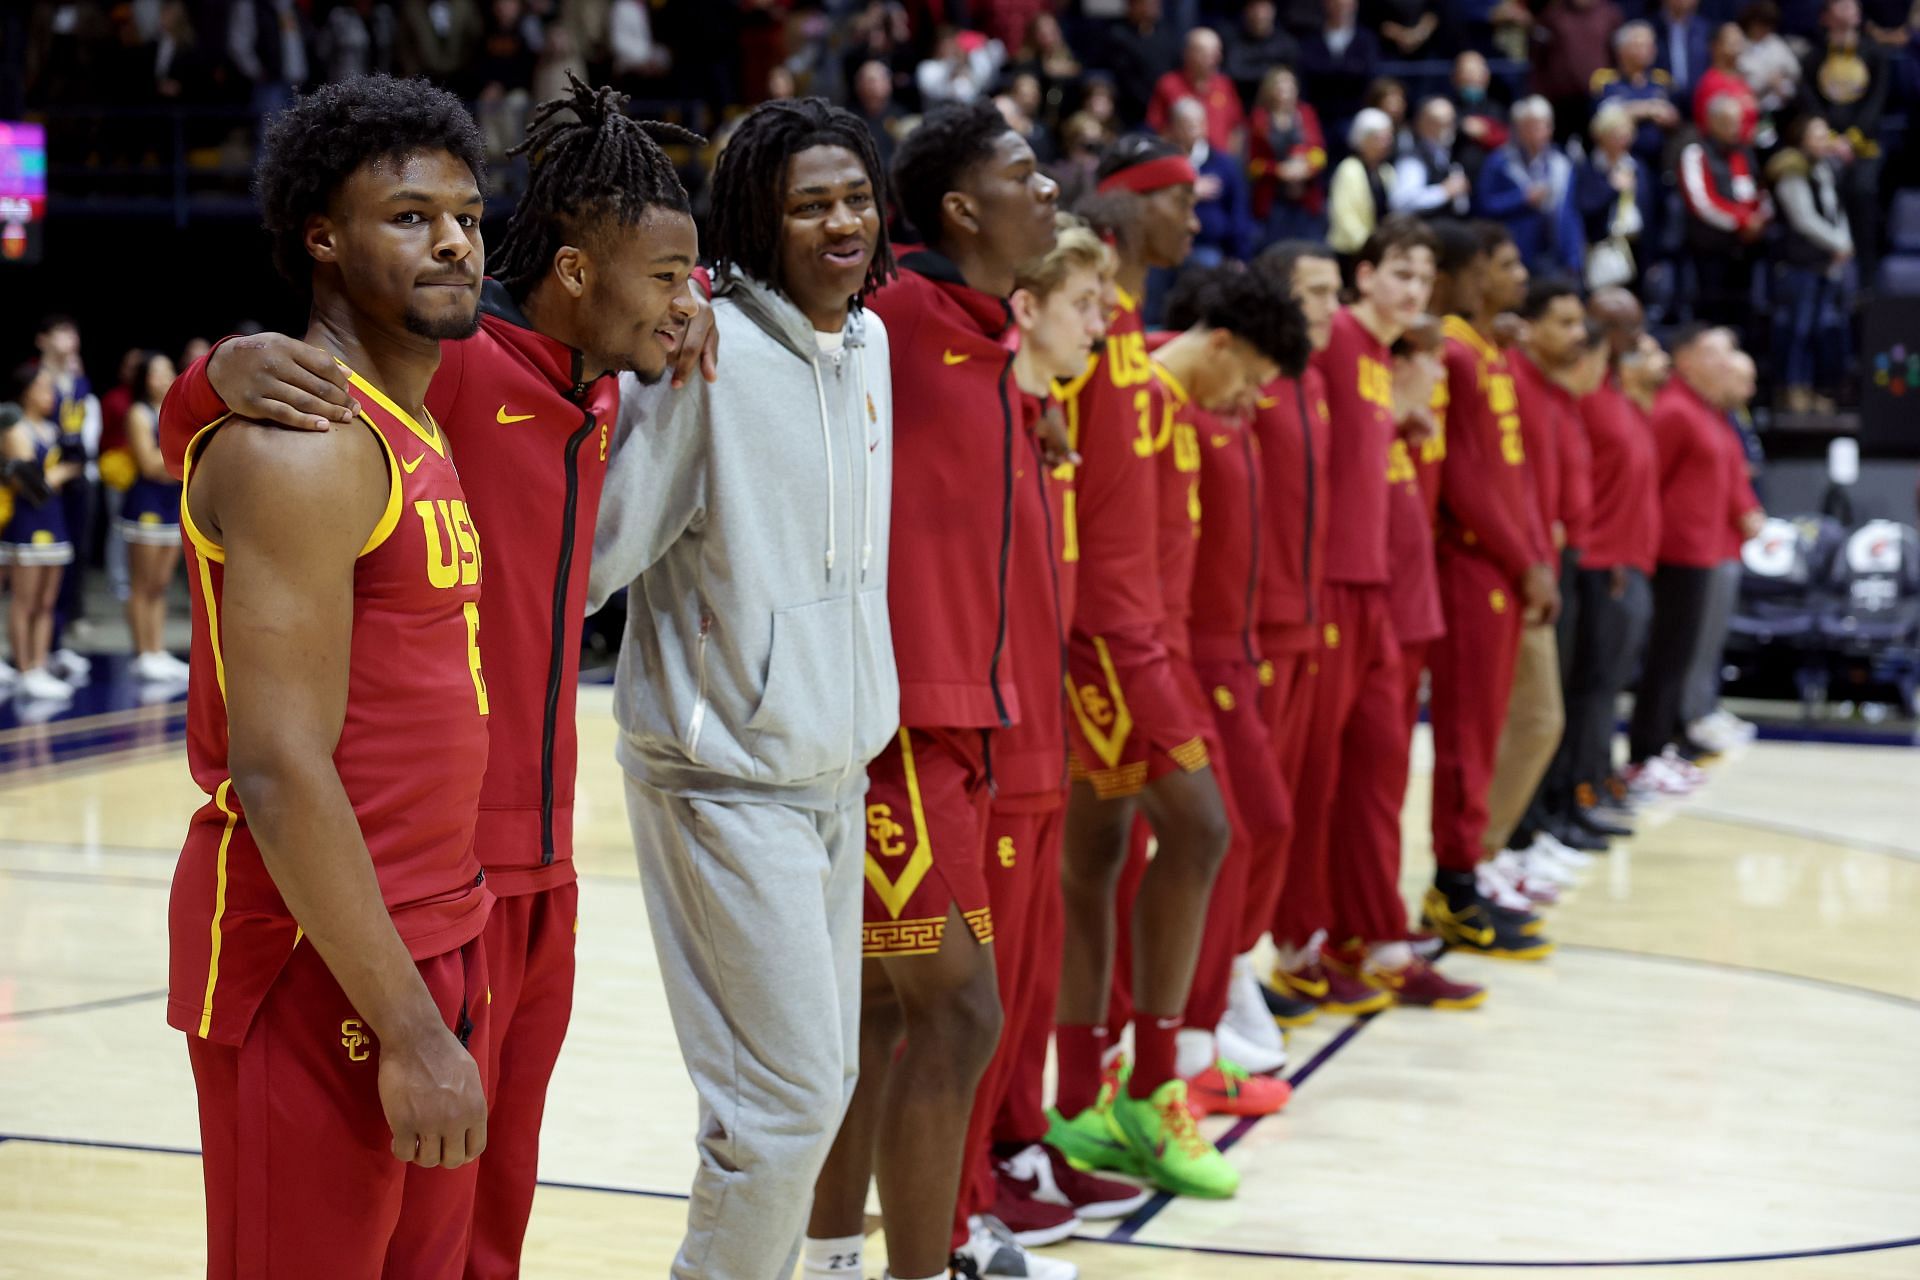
1344	872
1287	705
1024	838
530	945
298	1158
1472	669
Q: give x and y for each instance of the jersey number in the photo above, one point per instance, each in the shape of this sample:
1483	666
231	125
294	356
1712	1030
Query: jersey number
473	654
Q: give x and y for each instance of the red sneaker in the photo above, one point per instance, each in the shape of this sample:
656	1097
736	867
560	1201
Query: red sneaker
1335	992
1347	991
1043	1174
1229	1089
1034	1223
1421	985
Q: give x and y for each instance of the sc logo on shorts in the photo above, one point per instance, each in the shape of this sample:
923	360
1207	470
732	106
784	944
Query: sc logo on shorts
884	832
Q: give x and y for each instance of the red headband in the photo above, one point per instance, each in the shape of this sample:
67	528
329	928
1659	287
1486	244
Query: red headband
1151	175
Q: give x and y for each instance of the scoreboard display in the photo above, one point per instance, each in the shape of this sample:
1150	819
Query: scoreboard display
23	190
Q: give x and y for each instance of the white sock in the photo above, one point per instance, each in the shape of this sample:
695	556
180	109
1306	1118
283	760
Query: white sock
1293	959
838	1257
1390	955
1193	1051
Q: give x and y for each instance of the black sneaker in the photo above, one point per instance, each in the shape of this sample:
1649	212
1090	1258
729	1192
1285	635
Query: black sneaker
1472	924
1597	823
1288	1011
1575	836
1694	752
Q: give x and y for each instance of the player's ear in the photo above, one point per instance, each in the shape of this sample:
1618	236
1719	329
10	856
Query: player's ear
959	206
570	264
1026	308
319	238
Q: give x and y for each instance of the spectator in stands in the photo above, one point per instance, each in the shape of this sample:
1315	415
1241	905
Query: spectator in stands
1641	89
1198	77
117	468
1337	62
1140	51
1570	48
1099	99
1722	79
1527	185
1020	106
1286	156
267	43
1046	55
438	37
1844	81
963	68
1362	184
1482	121
1220	196
182	72
1813	302
1727	213
357	39
880	32
1258	45
873	103
563	55
502	74
1408	26
1386	94
1614	190
1684	39
1427	179
1770	66
1083	140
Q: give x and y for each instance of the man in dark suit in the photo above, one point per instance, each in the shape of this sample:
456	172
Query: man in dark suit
1685	41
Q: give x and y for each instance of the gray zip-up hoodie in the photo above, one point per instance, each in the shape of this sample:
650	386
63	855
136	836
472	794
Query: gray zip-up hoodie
750	517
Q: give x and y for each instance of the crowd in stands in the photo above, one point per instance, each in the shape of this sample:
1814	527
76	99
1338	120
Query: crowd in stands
1710	155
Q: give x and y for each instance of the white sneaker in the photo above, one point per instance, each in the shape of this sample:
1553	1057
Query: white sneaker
1247	1034
1689	772
160	668
994	1252
43	685
1497	888
1734	727
1569	857
70	667
1539	862
1511	868
180	669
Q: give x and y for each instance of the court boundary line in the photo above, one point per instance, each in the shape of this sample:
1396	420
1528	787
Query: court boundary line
1219	1251
84	1006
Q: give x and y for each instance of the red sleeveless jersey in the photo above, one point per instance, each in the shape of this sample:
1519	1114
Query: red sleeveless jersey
411	755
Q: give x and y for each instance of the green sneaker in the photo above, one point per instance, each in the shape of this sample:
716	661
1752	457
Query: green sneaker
1168	1147
1089	1141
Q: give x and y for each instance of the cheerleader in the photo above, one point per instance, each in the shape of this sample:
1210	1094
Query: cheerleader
35	542
150	526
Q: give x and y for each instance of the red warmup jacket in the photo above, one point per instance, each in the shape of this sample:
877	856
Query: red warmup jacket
1625	526
1698	502
1290	422
1359	377
1413	584
1228	576
1486	504
1543	406
957	439
1114	426
1183	424
531	441
1740	495
1576	479
1030	758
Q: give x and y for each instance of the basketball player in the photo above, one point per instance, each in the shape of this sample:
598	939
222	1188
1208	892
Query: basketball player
756	679
35	539
328	968
1060	305
1139	734
1495	575
972	189
589	280
1351	893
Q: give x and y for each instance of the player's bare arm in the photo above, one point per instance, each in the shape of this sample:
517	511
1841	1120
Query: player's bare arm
293	511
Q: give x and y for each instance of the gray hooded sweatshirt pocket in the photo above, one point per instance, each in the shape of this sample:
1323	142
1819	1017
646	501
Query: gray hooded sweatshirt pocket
750	519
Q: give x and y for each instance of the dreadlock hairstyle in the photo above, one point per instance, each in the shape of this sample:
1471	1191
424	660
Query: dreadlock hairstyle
749	185
315	145
937	156
594	164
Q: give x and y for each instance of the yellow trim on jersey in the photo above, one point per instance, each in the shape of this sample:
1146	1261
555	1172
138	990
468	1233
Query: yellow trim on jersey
213	624
219	905
1457	327
1065	391
207	547
1173	384
1127	301
434	440
390	518
894	894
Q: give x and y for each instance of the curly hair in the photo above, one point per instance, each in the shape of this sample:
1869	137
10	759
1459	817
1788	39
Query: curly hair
749	185
316	144
1251	305
937	156
596	166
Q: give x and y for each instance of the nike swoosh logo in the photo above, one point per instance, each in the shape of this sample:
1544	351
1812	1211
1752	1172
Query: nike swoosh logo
507	419
411	467
947	357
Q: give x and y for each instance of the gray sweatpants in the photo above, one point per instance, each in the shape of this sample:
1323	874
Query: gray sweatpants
755	910
1703	673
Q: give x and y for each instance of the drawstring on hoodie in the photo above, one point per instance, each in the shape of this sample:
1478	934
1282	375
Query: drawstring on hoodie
826	439
866	472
